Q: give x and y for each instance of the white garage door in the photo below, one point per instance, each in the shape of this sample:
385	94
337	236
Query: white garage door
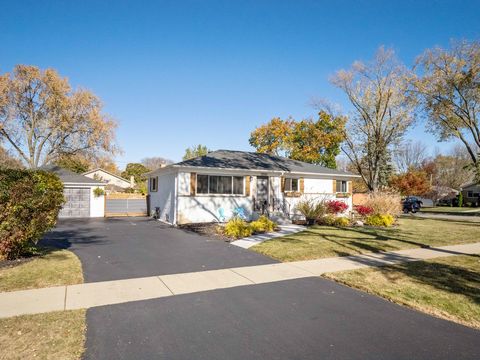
77	203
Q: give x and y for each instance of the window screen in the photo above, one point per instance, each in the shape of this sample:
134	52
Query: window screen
341	186
238	187
202	184
291	184
220	185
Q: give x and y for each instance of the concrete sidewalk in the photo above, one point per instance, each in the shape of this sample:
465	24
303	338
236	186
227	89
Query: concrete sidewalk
257	239
89	295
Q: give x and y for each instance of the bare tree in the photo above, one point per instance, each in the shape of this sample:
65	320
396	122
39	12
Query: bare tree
42	118
155	162
382	112
449	170
410	155
449	93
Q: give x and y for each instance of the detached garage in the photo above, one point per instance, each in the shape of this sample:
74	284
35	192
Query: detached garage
82	198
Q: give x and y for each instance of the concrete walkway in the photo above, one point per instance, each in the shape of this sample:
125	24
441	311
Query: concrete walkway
257	239
95	294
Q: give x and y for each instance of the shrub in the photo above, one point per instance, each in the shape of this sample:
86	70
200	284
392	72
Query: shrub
341	221
380	220
29	206
384	203
336	206
328	220
311	208
237	228
263	224
363	210
98	192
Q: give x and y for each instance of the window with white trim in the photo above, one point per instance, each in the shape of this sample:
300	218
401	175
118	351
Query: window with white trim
153	183
220	185
291	184
341	186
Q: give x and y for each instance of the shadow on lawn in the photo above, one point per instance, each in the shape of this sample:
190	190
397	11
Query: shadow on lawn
446	277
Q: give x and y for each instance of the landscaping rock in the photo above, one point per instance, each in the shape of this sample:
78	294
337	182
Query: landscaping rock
358	223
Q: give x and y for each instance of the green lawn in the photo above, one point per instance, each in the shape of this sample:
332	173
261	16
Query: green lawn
452	210
445	287
55	335
325	241
57	267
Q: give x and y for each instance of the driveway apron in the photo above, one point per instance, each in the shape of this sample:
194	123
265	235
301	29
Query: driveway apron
309	318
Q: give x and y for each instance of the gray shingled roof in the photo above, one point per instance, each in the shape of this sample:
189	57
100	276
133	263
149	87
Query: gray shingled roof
67	176
230	159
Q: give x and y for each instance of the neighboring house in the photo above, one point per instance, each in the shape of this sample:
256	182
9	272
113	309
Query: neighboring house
216	186
443	195
471	193
79	190
114	182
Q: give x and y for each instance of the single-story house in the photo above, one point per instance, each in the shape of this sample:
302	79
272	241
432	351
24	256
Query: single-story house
222	183
471	193
114	182
82	200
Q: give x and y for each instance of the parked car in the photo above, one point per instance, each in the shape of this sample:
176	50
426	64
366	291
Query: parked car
411	204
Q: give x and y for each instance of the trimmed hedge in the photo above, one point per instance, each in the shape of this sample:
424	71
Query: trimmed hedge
29	204
386	220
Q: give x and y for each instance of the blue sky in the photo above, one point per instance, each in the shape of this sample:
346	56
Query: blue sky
178	73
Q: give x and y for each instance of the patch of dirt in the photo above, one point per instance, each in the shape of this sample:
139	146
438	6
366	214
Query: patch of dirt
16	262
205	229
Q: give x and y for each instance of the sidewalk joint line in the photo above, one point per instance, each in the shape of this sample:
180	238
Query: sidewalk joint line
163	282
65	299
253	282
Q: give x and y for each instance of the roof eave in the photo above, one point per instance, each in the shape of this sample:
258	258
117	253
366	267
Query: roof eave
266	170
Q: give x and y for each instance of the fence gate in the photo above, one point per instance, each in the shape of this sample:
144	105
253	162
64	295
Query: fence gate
124	204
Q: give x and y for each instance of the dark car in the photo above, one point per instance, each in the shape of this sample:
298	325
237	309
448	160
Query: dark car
411	204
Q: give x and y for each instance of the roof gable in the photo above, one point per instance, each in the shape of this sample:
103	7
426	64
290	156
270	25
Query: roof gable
106	172
69	177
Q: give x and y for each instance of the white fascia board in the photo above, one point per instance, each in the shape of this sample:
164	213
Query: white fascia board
324	175
210	170
83	184
165	170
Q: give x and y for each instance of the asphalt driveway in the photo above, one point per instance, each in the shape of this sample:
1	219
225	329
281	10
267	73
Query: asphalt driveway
122	248
310	318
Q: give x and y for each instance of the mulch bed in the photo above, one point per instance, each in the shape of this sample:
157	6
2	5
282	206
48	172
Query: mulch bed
206	229
13	263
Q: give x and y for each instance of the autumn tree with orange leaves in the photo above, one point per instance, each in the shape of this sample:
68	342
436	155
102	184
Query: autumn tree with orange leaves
413	182
315	142
42	119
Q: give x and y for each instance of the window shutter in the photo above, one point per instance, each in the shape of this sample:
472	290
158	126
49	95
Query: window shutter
334	186
302	185
282	183
349	187
247	185
193	183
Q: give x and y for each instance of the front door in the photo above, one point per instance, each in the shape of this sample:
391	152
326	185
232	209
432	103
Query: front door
262	193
